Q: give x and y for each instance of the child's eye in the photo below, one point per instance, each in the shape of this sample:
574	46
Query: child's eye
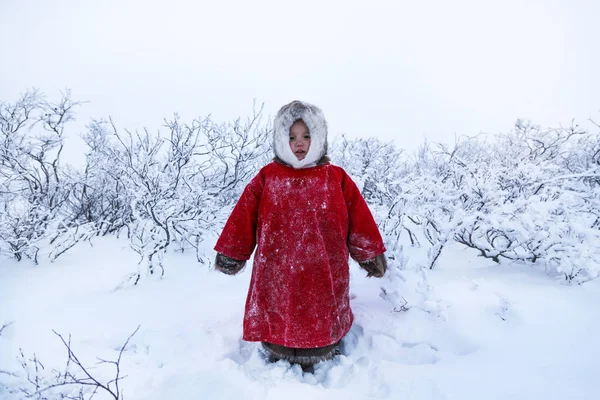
291	138
306	136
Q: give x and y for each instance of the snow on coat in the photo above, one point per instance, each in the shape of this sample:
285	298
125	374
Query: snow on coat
304	222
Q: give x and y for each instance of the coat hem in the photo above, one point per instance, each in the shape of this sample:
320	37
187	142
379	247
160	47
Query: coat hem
299	345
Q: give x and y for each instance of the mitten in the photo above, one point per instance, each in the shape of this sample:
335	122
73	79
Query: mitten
228	265
376	266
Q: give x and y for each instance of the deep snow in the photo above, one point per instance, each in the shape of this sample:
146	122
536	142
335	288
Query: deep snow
483	331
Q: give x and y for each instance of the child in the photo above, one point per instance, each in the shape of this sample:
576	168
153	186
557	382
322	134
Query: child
305	216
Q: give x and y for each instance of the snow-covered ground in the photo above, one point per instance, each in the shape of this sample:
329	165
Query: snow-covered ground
484	332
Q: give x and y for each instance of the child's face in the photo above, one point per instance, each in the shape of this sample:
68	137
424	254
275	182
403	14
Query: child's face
299	139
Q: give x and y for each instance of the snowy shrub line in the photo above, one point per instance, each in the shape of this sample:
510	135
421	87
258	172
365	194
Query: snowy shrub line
534	197
163	190
531	195
162	193
174	186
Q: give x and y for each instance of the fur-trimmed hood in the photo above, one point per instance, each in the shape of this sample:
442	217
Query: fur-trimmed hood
317	126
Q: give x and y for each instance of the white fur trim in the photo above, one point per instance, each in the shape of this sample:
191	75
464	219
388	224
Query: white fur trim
317	126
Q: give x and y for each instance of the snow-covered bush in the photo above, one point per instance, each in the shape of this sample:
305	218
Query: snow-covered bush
378	169
534	209
170	190
164	190
99	195
374	164
234	152
531	195
33	187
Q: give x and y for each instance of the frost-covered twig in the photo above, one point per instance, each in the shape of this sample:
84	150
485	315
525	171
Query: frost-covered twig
76	376
4	326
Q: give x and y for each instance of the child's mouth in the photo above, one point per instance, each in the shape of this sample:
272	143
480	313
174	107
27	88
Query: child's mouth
300	154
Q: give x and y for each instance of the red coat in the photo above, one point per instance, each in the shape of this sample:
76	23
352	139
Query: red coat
305	223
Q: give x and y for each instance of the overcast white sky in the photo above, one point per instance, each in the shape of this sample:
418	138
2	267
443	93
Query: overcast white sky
399	70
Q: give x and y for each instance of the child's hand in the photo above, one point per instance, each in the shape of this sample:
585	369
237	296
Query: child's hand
376	266
228	265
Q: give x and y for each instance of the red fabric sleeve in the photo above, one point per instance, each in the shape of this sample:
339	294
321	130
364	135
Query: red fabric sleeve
238	238
364	239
